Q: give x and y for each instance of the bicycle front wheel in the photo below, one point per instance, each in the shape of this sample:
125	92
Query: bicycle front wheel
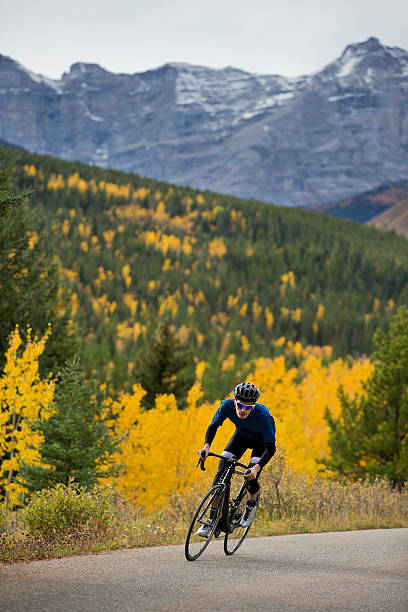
236	534
196	544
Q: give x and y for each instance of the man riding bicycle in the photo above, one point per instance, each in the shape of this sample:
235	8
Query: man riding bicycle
254	429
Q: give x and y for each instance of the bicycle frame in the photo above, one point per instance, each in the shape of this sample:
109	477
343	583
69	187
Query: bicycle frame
225	482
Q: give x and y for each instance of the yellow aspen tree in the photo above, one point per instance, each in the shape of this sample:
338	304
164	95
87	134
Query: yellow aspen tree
228	363
30	170
126	275
217	248
284	279
297	399
200	369
194	395
320	312
256	310
245	343
243	309
84	230
34	239
108	236
73	180
296	315
390	305
166	440
232	301
65	227
24	397
269	318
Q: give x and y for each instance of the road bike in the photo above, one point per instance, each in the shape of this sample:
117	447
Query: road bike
228	514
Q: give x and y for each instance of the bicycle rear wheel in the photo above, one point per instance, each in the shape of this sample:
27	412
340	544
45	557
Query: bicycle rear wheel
195	544
236	534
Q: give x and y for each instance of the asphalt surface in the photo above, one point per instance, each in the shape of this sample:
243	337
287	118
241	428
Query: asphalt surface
360	570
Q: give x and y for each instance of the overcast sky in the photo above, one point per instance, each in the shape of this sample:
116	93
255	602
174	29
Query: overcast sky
287	37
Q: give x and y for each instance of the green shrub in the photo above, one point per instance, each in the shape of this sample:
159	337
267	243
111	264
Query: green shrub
65	508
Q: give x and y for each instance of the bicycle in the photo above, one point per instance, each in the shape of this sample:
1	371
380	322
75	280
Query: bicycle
227	518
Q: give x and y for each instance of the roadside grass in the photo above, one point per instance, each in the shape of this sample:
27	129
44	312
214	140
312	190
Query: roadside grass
290	504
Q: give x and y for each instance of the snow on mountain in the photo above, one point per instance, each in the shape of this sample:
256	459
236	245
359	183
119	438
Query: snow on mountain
310	139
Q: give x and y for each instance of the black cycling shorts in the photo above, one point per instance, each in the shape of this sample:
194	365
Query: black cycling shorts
235	448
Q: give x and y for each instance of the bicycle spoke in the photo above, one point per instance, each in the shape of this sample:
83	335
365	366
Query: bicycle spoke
196	544
236	534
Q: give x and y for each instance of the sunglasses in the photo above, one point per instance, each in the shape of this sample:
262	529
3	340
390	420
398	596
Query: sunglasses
246	406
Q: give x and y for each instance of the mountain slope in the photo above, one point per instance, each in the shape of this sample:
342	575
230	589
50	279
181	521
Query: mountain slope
365	206
394	218
313	139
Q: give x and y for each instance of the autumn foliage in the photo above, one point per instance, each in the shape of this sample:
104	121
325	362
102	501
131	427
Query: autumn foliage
24	397
159	446
252	291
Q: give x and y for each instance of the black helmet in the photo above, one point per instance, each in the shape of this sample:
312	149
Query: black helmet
246	392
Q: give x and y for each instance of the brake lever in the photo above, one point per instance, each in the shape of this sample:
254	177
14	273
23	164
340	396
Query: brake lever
201	462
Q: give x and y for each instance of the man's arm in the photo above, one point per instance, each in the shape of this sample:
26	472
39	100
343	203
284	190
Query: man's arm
210	434
269	441
270	450
218	419
209	437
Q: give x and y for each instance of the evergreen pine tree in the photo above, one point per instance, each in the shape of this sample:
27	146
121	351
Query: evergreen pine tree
77	442
31	287
164	368
371	435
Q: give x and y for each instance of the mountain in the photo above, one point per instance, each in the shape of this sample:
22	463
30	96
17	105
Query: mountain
394	218
293	141
365	207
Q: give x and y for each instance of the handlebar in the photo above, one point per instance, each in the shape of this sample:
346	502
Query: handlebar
210	454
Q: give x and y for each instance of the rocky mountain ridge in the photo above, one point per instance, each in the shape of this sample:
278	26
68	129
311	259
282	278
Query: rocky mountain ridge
365	207
300	141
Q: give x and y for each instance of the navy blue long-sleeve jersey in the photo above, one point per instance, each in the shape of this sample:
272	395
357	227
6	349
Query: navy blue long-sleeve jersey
259	423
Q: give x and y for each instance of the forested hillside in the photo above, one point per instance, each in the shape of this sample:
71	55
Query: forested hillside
235	279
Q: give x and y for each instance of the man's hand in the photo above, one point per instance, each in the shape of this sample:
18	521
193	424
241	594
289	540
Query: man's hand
252	472
203	453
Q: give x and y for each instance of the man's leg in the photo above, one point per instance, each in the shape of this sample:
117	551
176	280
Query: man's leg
253	486
235	448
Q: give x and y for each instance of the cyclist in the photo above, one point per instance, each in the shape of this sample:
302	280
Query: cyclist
255	430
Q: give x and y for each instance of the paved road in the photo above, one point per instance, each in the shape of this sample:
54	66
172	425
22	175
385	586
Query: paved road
359	571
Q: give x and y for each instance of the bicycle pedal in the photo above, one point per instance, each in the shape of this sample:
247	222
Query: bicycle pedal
217	533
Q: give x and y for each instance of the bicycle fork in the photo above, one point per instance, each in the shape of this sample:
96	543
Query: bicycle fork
223	522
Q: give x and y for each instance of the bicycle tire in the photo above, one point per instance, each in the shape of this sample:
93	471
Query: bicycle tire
235	535
195	545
